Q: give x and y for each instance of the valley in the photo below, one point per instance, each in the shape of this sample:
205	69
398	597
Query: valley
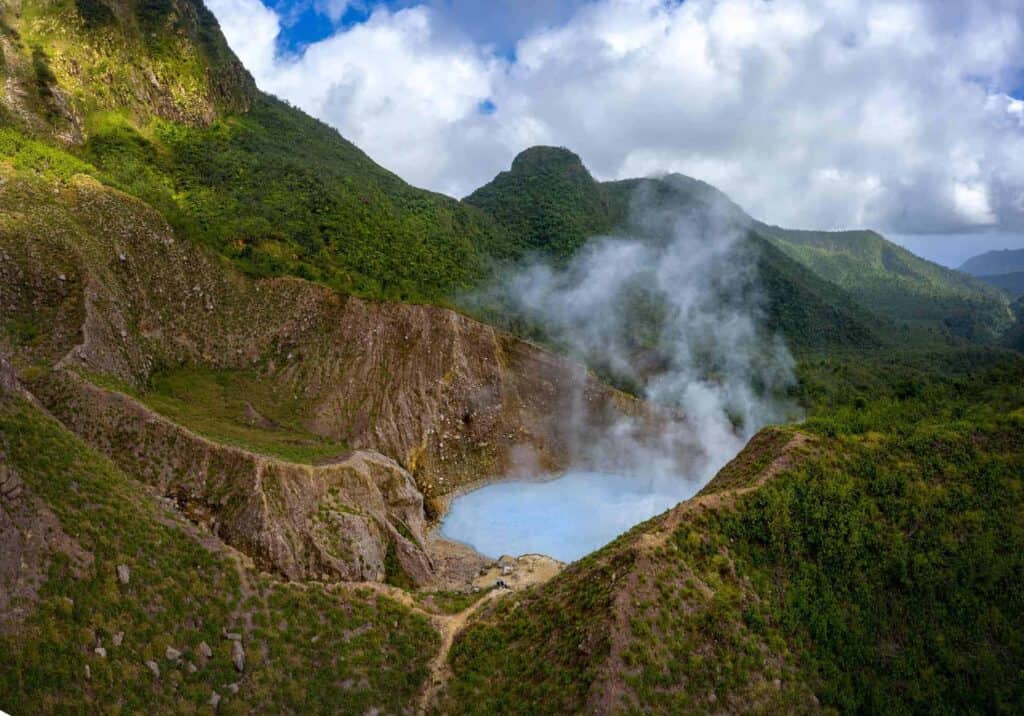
281	433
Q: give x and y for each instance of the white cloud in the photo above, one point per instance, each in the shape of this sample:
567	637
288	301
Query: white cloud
334	9
251	29
811	113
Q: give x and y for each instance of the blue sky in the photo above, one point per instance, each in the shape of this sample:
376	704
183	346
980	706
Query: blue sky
496	23
904	116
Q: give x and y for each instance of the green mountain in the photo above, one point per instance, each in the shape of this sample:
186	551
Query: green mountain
220	465
994	263
147	97
547	203
895	283
1012	283
550	191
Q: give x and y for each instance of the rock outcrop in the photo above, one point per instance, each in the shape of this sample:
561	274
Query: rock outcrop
428	399
337	521
450	399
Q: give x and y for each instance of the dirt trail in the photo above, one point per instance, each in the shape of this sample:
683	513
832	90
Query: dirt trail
449	625
516	573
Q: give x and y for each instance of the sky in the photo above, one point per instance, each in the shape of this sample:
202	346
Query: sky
904	116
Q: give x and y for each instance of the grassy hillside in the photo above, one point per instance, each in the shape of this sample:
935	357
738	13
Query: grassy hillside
874	571
895	283
280	193
69	62
148	98
86	636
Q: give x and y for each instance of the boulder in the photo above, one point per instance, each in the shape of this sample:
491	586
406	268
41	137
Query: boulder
238	655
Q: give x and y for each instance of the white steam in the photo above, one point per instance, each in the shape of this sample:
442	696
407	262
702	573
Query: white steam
672	309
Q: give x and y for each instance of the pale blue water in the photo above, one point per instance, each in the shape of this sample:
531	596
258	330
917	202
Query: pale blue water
565	518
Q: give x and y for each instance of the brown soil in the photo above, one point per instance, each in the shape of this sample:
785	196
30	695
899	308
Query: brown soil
30	534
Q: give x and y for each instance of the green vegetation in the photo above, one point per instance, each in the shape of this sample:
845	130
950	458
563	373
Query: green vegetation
94	13
547	204
892	282
993	263
257	180
890	564
538	652
280	193
306	649
235	408
450	602
1012	283
876	573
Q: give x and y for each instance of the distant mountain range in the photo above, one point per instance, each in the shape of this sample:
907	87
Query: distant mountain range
994	263
548	204
1003	269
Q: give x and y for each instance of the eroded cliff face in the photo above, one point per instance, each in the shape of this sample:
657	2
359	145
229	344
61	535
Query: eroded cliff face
93	282
346	520
109	290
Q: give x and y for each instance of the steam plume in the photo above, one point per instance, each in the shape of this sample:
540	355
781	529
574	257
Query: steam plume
671	309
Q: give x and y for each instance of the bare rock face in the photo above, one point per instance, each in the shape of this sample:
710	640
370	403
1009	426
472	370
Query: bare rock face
340	520
429	399
450	399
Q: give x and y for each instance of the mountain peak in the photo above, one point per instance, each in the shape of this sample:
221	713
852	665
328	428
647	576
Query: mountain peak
541	158
547	200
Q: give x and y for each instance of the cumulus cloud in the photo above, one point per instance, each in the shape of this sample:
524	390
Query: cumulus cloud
893	114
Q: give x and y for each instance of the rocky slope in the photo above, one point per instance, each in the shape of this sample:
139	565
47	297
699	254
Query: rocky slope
94	283
109	599
66	63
